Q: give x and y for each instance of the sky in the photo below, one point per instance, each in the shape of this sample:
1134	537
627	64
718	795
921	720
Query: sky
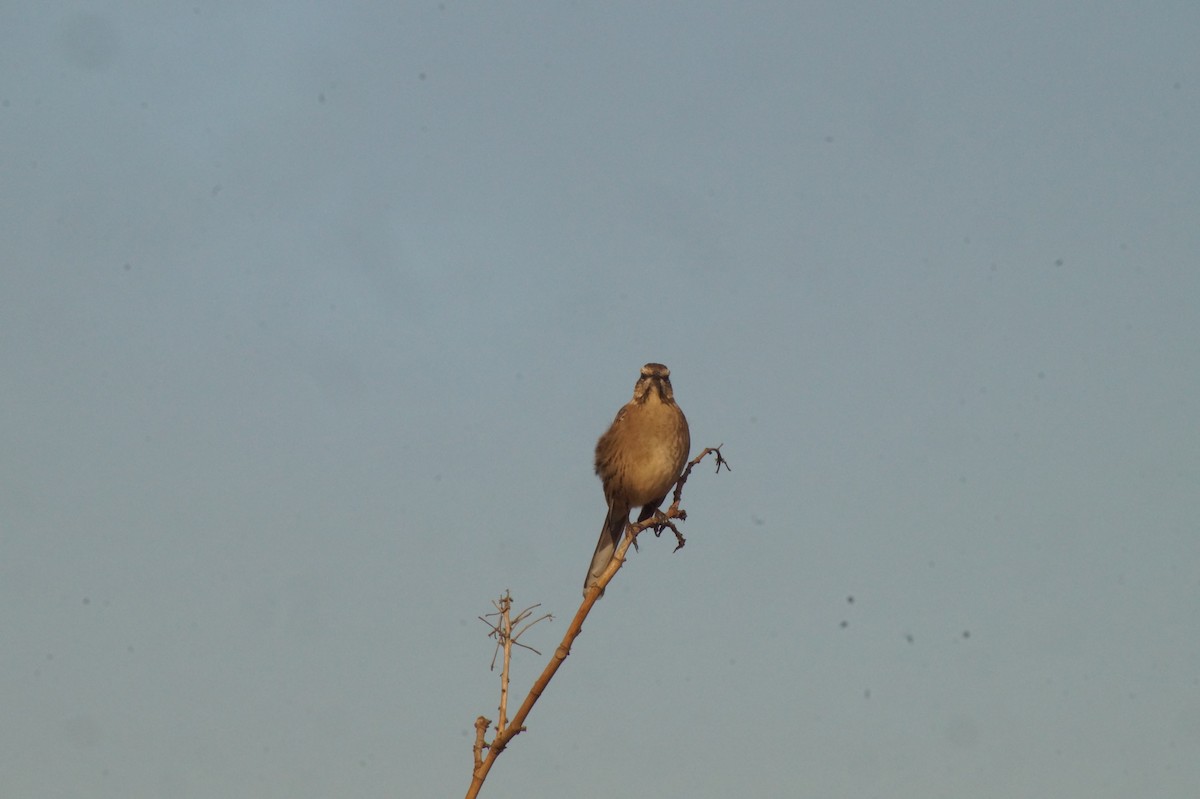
311	314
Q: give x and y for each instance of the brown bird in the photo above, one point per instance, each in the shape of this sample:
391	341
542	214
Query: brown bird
639	459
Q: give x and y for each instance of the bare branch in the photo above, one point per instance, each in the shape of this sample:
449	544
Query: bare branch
506	732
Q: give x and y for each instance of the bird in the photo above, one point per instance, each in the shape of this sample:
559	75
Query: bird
638	459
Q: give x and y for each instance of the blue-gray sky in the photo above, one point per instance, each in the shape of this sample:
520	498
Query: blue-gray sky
310	316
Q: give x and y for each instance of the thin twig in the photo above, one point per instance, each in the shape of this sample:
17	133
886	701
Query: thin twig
481	726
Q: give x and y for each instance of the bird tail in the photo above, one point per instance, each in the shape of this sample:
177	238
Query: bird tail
610	538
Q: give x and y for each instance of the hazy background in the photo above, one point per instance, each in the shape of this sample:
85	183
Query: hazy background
310	316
